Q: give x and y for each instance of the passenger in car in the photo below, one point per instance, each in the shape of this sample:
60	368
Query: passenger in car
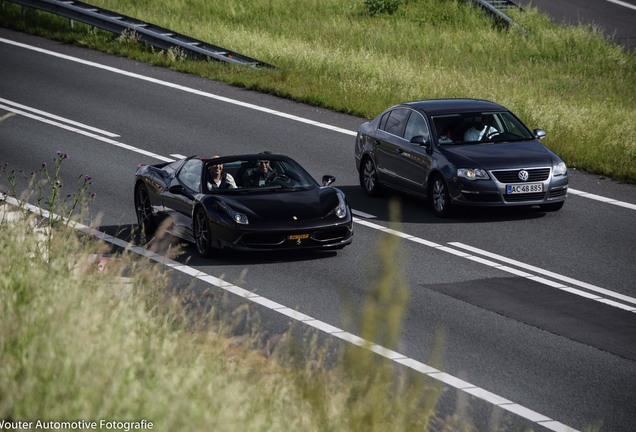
217	179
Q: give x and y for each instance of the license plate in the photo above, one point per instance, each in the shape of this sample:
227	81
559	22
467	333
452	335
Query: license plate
298	236
524	188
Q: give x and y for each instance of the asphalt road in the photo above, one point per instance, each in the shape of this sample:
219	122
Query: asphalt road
544	345
615	18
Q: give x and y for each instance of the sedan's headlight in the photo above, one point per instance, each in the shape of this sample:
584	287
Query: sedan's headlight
341	209
472	173
560	169
236	216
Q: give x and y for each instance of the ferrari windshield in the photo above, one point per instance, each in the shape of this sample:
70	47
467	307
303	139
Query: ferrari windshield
255	175
479	127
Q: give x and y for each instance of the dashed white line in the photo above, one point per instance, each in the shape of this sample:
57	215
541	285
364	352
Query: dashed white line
85	133
547	273
519	269
55	117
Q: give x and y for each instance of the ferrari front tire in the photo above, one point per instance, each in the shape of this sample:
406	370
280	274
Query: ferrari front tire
202	233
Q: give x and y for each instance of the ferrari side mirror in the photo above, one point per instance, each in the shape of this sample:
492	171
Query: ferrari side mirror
327	180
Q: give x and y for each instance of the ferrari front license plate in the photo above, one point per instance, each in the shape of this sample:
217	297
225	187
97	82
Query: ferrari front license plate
298	236
524	188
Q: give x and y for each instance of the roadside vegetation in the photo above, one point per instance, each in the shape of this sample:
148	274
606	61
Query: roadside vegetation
361	56
94	334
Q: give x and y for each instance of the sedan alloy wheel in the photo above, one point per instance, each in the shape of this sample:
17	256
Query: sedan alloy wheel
369	177
439	197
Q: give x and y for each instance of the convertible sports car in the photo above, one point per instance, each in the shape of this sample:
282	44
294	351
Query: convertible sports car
258	202
459	152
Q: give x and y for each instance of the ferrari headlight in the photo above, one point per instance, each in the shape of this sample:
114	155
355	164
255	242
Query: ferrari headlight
472	173
236	216
341	209
560	169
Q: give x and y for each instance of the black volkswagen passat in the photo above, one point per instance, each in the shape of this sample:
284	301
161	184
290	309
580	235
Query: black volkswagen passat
459	152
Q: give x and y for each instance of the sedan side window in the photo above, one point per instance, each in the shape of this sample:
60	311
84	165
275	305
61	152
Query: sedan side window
395	123
190	174
415	126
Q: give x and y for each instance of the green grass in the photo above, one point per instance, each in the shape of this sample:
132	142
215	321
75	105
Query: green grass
333	53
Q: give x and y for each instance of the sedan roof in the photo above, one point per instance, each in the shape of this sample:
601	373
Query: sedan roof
449	106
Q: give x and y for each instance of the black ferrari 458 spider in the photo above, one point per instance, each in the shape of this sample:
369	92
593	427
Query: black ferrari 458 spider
248	202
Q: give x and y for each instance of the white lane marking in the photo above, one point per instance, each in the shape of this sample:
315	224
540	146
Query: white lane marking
85	133
622	3
178	156
58	118
547	273
363	214
182	88
210	95
516	271
602	199
389	354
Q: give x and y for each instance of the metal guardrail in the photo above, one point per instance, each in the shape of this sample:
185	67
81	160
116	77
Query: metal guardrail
495	7
154	35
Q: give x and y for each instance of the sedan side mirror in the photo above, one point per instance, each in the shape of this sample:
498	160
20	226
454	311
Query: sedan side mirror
539	133
420	140
327	180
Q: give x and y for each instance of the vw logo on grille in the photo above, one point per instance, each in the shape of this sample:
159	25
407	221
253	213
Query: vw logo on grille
523	175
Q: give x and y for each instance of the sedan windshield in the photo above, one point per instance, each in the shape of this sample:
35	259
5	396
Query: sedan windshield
262	175
479	127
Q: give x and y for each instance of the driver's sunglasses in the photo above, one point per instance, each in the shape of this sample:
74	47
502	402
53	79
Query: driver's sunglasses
263	162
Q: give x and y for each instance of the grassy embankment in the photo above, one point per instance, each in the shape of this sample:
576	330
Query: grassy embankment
332	53
79	341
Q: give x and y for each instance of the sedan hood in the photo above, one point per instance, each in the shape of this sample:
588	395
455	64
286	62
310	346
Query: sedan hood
522	154
290	205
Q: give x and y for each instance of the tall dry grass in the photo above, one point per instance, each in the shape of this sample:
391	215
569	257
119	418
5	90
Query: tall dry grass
91	333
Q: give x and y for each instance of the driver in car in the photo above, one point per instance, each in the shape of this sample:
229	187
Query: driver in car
479	131
259	176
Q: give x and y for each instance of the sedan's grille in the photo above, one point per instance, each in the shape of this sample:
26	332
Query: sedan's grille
512	176
482	197
537	196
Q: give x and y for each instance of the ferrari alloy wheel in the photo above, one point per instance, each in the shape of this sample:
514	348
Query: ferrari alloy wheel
369	177
143	208
202	233
439	197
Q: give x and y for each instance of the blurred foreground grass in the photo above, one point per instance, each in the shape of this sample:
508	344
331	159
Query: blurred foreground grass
89	339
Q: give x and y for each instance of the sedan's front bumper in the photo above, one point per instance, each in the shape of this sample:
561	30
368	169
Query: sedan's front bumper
494	191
